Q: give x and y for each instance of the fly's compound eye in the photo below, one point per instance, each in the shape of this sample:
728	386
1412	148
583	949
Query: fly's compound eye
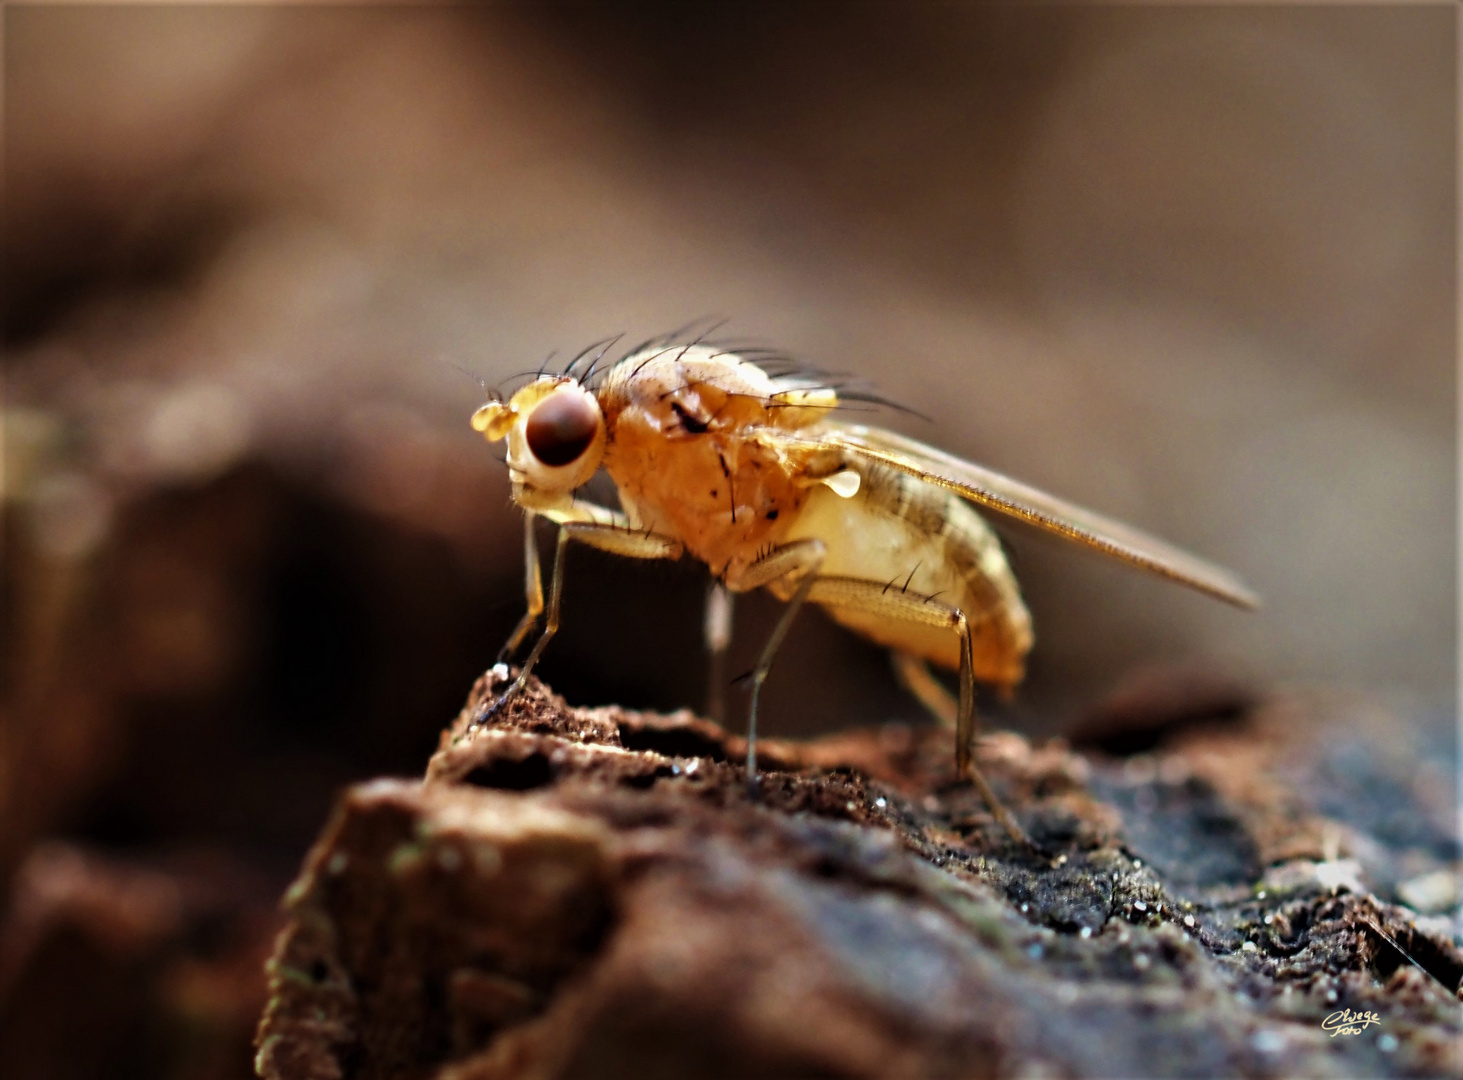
562	427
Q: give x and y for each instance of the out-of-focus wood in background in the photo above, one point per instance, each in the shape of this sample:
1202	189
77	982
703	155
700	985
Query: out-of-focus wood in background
1191	267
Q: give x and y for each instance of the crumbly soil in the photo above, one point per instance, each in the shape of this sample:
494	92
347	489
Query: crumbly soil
594	892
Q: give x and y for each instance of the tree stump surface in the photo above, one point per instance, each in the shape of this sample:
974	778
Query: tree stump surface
594	893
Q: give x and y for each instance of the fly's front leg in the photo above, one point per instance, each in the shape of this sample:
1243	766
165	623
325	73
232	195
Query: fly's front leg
718	631
875	598
533	586
800	559
616	538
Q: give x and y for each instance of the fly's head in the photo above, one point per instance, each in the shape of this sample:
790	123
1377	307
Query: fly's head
556	436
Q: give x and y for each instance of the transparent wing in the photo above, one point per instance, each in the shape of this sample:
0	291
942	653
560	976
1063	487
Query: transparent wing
992	490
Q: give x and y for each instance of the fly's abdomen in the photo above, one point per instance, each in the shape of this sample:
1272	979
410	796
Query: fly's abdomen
907	535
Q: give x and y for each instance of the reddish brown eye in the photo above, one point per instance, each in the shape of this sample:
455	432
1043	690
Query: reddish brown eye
562	427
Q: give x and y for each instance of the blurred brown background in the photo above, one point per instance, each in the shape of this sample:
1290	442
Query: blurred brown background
1192	267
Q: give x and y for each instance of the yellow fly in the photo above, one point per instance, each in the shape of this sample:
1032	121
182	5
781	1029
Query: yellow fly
754	474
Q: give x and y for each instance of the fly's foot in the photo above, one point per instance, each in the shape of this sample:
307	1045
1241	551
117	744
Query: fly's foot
496	674
969	772
485	716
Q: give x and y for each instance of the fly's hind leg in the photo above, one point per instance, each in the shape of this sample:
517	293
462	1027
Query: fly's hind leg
799	560
913	673
611	535
872	597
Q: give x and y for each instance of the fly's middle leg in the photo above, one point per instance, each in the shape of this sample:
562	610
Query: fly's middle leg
858	595
799	560
718	630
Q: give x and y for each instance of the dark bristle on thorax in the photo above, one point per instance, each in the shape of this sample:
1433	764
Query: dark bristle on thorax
786	370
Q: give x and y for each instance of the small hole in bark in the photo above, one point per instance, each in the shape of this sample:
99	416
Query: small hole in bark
318	971
505	774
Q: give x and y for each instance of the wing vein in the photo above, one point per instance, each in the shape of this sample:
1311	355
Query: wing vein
995	491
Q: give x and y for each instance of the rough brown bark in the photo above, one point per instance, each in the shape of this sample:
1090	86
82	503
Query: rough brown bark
592	892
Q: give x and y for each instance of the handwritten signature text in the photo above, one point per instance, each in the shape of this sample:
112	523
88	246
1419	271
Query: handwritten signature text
1346	1022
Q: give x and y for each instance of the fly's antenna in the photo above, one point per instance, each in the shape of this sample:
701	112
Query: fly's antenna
499	394
490	391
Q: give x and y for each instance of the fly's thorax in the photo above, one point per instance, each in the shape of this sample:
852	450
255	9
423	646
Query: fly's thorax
692	386
723	494
697	448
